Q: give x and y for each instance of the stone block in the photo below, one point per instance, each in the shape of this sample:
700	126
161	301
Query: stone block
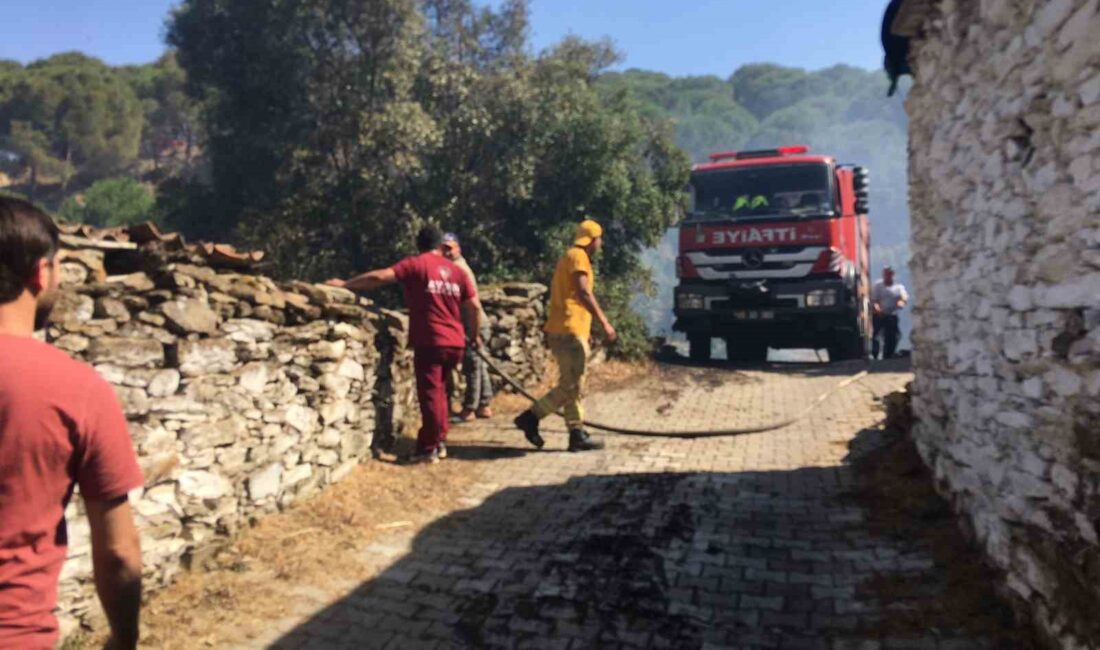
297	474
1077	292
302	418
350	369
248	330
139	282
1064	382
164	383
215	434
335	384
201	484
265	482
1019	298
328	350
126	352
1019	344
112	308
72	343
72	307
206	356
254	377
189	316
334	412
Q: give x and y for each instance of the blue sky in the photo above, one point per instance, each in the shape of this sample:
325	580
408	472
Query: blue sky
674	36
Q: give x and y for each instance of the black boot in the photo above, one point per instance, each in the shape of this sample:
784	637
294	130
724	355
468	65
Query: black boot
580	441
528	423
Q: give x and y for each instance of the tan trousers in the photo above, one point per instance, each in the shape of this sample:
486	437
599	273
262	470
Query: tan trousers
572	356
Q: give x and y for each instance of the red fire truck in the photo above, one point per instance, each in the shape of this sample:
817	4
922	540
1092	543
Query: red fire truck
775	252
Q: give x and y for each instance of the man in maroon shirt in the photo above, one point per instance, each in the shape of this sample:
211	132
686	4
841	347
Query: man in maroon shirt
60	426
439	295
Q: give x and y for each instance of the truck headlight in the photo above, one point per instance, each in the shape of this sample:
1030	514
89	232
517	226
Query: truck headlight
821	298
690	301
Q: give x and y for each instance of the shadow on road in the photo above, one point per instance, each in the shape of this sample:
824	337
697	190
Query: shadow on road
674	560
464	451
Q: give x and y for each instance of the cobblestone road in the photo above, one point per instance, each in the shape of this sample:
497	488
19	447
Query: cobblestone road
739	542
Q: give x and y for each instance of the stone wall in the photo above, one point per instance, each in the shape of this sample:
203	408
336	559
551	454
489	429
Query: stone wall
243	394
1005	204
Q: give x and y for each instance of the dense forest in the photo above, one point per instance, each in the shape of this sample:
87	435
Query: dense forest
327	131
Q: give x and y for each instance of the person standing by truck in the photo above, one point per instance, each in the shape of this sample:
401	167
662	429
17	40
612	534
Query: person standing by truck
887	299
568	328
61	427
479	386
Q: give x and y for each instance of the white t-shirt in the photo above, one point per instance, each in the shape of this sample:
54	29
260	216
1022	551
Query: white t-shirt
888	297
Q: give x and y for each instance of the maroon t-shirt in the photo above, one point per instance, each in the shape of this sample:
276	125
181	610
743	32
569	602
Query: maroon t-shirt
435	289
60	425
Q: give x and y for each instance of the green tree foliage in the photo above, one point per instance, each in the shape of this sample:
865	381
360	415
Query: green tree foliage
111	202
702	109
841	111
86	114
36	156
171	115
337	127
327	131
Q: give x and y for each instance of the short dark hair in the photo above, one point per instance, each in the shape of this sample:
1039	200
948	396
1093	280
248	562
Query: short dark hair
27	234
429	238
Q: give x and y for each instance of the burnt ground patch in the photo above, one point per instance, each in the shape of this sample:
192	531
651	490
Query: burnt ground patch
677	560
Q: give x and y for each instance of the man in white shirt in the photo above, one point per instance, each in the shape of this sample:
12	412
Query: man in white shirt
887	299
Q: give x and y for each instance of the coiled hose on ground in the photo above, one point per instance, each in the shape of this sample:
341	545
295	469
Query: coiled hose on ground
687	435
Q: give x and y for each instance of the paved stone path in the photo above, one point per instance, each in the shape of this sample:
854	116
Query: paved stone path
739	542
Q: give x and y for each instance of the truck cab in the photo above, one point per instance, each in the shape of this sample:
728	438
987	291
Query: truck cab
775	252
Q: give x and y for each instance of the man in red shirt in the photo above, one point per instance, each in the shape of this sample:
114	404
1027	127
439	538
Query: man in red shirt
60	426
439	295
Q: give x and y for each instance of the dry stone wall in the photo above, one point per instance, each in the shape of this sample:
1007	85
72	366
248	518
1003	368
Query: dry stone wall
1005	204
243	394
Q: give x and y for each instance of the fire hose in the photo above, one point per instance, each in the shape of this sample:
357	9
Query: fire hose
686	435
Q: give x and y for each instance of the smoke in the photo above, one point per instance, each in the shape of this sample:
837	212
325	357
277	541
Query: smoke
842	112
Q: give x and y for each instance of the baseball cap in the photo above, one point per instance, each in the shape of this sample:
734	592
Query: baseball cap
450	238
587	230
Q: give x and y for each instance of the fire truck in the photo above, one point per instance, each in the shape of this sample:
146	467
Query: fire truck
775	252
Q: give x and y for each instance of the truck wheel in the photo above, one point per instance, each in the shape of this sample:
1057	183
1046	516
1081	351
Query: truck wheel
699	347
746	350
848	345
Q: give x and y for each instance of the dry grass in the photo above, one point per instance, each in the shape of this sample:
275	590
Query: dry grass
896	489
603	377
250	583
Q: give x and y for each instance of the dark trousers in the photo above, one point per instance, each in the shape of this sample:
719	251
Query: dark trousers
887	327
432	365
479	386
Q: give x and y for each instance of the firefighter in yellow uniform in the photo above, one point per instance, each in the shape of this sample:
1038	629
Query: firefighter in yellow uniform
568	328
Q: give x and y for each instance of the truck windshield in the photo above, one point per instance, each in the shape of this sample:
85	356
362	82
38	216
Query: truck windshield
763	192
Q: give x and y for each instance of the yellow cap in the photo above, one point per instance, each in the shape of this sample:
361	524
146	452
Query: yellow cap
587	230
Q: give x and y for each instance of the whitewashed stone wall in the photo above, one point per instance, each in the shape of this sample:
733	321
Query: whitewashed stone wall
243	395
1005	204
